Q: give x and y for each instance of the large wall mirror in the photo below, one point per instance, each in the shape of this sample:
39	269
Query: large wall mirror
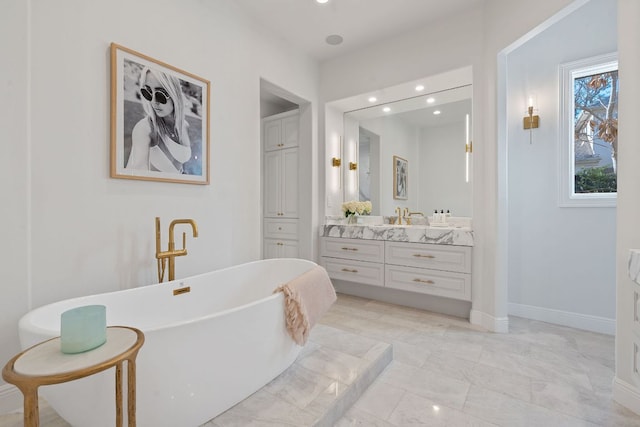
430	134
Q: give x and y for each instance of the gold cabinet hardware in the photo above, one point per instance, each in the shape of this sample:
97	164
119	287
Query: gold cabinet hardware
280	244
353	166
349	249
336	162
346	270
428	282
423	256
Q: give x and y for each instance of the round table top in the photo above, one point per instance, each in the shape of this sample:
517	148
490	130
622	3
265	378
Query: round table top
47	359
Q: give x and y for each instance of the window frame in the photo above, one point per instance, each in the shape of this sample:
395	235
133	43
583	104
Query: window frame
568	72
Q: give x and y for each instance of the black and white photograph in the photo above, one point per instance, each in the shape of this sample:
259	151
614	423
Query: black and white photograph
400	175
159	120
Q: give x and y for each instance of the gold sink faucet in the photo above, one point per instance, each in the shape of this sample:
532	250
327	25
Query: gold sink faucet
399	212
172	252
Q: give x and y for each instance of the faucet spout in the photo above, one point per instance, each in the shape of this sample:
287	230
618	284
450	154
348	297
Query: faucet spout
172	252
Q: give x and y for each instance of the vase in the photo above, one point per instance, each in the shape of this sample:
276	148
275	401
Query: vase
352	219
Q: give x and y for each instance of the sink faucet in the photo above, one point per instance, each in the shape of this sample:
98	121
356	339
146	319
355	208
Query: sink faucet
172	252
399	212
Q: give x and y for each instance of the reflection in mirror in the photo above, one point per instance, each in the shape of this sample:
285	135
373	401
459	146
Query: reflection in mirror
431	132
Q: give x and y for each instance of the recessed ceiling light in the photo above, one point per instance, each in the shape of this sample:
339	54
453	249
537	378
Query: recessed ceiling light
372	99
334	39
430	100
436	112
386	109
322	1
419	88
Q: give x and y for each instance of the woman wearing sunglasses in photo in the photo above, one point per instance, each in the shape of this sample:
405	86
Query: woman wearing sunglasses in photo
160	142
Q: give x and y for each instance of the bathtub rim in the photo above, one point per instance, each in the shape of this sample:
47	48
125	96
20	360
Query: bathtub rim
25	323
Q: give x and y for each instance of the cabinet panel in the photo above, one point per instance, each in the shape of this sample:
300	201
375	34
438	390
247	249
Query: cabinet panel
272	135
290	134
433	282
279	248
354	271
440	257
281	228
355	249
272	185
281	183
289	180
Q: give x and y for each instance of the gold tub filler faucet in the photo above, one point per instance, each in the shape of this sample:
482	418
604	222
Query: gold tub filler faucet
172	252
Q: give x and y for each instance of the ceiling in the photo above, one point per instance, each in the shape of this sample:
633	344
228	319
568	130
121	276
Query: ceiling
305	24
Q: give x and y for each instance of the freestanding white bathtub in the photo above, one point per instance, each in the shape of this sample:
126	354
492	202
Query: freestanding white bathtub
204	350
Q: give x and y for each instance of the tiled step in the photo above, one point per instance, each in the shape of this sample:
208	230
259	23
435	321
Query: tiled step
332	372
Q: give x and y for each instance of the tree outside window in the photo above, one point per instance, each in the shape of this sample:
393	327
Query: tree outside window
589	123
596	132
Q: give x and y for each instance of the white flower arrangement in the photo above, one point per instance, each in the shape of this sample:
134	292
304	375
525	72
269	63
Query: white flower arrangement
356	208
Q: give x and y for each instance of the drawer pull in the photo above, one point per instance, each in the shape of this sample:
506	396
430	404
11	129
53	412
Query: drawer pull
279	228
423	256
428	282
347	270
349	249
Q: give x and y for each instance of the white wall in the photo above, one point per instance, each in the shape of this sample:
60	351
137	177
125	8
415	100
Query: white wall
561	260
74	231
14	174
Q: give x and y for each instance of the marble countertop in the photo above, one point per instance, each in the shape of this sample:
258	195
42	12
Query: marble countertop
459	236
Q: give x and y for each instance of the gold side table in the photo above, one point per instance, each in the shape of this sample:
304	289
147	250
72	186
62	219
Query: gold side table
45	364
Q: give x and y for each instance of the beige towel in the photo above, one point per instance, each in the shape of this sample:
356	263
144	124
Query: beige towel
306	299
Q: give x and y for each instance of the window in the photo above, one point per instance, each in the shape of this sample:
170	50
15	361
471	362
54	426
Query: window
589	132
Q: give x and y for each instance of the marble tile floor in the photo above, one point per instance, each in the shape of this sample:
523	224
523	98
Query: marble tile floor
444	372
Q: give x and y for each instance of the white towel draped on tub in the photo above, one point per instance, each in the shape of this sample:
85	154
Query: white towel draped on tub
306	299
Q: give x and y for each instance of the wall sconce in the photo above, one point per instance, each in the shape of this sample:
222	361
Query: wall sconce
335	162
530	121
353	166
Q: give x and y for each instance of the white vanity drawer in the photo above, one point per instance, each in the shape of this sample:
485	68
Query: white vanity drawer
439	257
354	271
433	282
281	228
355	249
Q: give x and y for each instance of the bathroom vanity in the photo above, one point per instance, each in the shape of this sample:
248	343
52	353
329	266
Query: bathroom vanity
411	258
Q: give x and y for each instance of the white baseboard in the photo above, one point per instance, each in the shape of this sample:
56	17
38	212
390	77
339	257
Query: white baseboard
626	395
10	399
494	324
587	322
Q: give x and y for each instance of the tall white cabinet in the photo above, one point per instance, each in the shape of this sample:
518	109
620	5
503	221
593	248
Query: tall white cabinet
280	134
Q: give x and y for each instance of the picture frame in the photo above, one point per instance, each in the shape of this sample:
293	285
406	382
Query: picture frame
160	126
400	178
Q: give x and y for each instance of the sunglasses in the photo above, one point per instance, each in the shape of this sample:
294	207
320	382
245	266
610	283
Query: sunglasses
160	94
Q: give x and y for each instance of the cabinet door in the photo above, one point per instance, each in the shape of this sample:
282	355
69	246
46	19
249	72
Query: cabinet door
289	132
277	248
272	184
289	249
272	135
271	249
289	179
